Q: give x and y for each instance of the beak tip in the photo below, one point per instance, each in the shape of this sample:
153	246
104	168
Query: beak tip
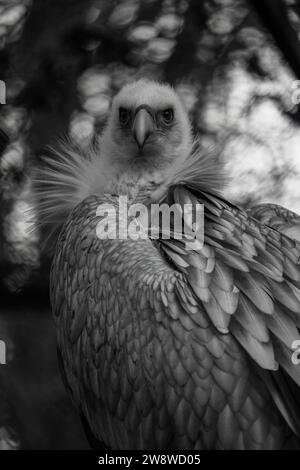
142	127
140	140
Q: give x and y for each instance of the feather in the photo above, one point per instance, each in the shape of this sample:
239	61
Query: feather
199	277
269	272
284	397
202	293
233	259
283	292
212	233
223	276
291	269
252	319
202	169
176	258
197	260
218	316
283	327
270	261
228	300
254	287
67	178
262	353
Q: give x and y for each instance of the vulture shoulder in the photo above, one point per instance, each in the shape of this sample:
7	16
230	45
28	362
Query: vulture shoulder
278	217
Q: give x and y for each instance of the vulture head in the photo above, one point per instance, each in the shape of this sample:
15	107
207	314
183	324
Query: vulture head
148	127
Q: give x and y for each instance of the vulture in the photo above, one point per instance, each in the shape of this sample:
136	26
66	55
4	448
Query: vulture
169	342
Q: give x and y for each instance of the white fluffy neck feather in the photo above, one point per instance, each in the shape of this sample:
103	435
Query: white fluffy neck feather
73	174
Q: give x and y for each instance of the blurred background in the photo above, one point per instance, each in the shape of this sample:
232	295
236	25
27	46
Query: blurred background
233	62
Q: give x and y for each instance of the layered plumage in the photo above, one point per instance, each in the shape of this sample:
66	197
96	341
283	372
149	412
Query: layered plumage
164	347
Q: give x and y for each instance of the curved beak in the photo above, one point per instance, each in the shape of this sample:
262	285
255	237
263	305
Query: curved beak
143	126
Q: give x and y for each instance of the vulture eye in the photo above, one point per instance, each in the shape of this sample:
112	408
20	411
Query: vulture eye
124	116
167	115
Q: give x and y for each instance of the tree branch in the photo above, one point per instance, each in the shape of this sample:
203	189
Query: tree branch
273	15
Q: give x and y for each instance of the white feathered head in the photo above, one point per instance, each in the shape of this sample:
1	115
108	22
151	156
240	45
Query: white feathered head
147	127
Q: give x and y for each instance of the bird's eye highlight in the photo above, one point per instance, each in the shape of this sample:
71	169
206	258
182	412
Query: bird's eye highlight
124	116
167	115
